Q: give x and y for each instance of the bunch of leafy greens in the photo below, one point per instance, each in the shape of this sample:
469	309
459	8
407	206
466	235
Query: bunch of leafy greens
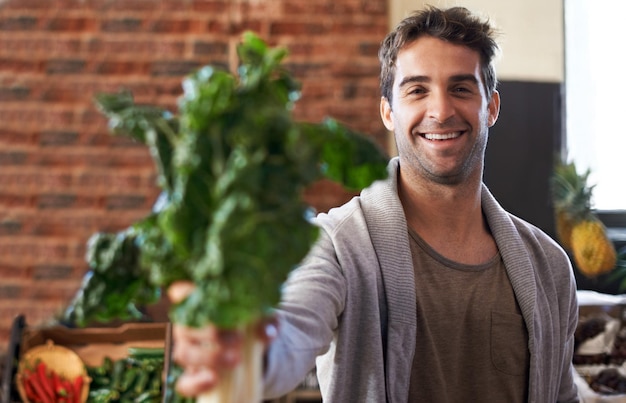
116	284
232	167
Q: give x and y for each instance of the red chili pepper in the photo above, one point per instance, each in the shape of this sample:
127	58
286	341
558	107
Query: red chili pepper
40	393
46	382
78	388
71	394
28	386
59	390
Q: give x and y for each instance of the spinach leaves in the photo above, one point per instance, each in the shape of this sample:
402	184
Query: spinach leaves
232	166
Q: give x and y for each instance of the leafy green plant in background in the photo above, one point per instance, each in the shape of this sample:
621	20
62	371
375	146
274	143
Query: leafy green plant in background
618	275
116	284
232	165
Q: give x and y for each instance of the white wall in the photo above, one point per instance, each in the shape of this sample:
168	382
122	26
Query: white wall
531	34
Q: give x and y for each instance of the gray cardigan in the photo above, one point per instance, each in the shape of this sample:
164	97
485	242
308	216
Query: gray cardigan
350	307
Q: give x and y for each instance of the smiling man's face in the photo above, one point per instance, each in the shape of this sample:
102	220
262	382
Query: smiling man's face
440	113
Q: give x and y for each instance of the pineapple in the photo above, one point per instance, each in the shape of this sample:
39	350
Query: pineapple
572	200
578	230
594	253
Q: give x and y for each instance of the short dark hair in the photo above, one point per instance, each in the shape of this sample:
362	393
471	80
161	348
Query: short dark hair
456	25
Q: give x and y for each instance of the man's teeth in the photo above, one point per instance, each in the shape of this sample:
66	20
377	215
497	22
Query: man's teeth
441	136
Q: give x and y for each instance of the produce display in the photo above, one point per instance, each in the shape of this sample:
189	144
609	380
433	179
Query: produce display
232	166
599	340
600	354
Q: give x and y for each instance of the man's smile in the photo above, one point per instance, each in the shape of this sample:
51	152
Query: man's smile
441	136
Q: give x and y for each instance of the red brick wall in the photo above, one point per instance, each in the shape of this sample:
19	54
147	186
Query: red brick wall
64	177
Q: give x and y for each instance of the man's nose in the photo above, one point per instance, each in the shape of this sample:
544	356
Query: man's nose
440	106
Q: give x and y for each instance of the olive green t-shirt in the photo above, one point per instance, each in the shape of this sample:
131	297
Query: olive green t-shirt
472	343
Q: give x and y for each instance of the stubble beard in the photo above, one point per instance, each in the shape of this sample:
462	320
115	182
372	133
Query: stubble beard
459	175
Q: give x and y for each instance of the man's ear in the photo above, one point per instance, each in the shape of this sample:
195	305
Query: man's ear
385	113
494	108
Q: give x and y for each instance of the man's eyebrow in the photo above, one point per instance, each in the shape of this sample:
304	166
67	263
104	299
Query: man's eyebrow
413	79
465	77
425	79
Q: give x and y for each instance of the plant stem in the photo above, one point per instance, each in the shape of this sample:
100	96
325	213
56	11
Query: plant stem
242	384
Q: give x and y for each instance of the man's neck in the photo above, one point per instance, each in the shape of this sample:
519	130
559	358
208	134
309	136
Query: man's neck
449	218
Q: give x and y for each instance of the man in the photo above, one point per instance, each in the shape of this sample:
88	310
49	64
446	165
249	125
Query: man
422	289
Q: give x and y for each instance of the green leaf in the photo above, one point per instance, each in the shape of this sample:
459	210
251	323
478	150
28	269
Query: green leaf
233	165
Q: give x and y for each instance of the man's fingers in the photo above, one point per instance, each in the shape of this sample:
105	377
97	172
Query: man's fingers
206	346
195	381
206	352
180	290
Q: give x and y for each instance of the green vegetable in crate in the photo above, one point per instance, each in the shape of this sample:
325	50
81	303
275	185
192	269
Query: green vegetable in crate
136	378
232	166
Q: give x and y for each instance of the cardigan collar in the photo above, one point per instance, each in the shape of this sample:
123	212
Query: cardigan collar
386	222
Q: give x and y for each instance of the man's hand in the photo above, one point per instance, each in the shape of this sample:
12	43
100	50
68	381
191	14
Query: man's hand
205	353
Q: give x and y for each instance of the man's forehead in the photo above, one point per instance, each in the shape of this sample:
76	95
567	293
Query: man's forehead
434	58
426	50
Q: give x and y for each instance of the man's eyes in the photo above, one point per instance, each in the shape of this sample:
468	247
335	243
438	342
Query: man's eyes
459	90
462	90
417	90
